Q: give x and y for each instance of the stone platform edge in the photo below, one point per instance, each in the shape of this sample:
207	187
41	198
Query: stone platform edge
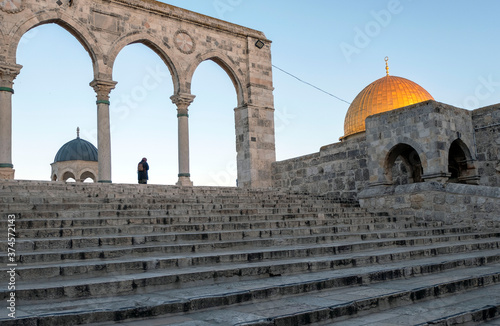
451	203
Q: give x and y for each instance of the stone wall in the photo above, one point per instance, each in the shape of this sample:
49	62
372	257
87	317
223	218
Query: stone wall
339	169
451	203
486	123
429	128
343	169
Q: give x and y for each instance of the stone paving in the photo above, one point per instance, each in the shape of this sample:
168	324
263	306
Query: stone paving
102	255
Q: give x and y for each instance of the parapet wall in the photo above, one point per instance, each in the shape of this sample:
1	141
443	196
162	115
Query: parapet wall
338	169
451	203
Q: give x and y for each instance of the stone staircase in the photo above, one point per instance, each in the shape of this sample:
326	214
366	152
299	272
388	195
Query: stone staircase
163	255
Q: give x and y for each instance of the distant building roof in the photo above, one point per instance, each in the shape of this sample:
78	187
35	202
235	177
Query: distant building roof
77	149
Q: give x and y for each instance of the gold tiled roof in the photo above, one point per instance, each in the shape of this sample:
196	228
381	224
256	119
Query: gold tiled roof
385	94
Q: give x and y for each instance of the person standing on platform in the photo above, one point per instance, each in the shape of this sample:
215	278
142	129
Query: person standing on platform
142	171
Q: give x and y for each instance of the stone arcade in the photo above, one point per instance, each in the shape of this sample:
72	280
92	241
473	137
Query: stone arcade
397	224
182	39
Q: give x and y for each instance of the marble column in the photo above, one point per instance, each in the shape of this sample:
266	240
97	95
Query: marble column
8	72
103	88
183	101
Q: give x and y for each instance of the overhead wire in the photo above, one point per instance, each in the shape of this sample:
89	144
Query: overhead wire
303	81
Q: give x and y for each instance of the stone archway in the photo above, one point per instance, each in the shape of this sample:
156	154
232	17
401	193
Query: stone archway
460	164
103	27
68	175
88	174
403	165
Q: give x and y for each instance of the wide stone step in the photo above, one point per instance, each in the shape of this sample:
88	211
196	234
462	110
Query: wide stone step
133	190
86	213
140	263
242	229
52	221
309	219
343	293
212	222
122	281
49	194
469	300
31	251
43	204
133	199
240	239
146	230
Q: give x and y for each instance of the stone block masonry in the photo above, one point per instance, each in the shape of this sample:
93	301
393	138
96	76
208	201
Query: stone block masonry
487	143
338	169
432	130
452	204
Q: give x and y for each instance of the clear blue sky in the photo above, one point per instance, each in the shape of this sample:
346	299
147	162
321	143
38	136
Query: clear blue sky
449	47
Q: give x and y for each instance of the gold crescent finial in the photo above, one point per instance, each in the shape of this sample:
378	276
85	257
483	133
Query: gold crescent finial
386	65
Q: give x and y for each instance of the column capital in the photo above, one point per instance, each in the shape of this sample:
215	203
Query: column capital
182	100
103	88
8	72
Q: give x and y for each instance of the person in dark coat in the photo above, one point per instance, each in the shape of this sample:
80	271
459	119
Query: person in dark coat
143	175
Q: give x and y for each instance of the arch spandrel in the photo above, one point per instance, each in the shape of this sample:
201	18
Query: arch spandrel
75	28
222	61
151	42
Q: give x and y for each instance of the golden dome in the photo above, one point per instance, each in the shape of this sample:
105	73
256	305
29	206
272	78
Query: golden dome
385	94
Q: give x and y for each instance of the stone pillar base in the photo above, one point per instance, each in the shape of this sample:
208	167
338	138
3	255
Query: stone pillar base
184	182
436	177
7	173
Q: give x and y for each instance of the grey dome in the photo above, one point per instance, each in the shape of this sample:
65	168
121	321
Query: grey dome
77	149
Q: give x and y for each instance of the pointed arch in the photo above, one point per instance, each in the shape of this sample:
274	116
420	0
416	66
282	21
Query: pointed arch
409	155
67	174
410	168
151	42
460	163
87	173
227	64
75	28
